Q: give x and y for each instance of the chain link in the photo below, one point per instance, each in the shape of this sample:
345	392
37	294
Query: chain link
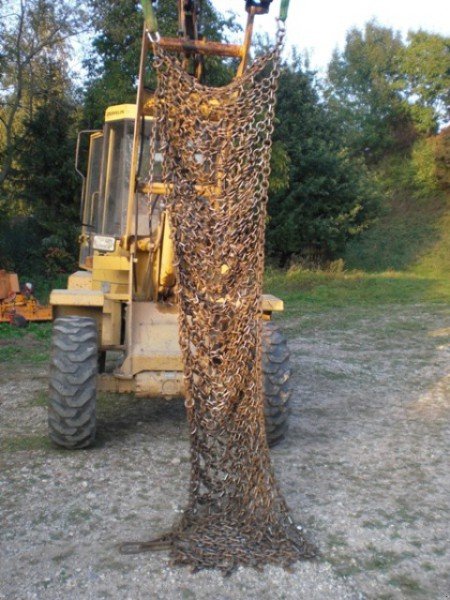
216	145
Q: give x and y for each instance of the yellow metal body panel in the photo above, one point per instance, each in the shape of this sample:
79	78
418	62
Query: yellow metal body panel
111	262
78	297
117	297
80	280
150	384
168	384
270	303
154	344
110	273
166	270
154	335
152	358
120	111
111	323
108	383
102	276
94	304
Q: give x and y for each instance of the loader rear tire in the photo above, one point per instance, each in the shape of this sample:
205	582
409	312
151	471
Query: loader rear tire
73	382
276	375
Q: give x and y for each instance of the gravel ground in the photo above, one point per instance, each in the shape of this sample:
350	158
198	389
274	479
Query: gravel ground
365	469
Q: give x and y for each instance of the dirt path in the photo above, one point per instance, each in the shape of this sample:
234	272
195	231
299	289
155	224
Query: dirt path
365	469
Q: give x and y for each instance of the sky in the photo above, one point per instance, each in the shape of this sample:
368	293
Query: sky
320	26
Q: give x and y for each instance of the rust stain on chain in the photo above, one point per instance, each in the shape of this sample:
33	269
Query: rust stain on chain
220	139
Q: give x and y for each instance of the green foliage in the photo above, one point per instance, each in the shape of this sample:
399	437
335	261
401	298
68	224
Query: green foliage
442	157
434	260
44	284
26	248
364	92
388	96
425	62
330	196
33	51
38	188
113	69
20	245
280	166
44	239
393	243
411	225
337	153
423	118
59	255
46	166
386	93
34	331
423	163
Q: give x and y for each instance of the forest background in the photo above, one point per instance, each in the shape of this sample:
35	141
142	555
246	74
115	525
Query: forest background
360	165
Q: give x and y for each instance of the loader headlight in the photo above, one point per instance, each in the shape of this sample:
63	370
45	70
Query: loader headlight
103	243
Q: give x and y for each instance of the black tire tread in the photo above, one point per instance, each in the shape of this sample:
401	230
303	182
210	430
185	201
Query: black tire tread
276	375
73	382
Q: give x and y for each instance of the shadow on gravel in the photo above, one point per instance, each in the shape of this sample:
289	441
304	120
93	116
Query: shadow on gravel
122	416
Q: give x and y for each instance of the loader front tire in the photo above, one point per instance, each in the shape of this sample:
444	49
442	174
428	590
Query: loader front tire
73	382
276	374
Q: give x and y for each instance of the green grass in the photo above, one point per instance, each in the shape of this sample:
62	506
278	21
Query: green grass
37	331
40	399
318	291
28	443
436	260
30	344
337	539
414	219
399	239
407	584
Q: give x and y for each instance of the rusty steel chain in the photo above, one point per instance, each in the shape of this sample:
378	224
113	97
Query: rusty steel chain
216	145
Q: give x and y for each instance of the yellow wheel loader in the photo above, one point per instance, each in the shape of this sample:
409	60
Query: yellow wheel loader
123	298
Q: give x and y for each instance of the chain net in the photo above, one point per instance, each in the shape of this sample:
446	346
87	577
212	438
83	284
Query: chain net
216	145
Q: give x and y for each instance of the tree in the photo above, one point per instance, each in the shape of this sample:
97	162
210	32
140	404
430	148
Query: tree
113	69
366	92
426	64
37	138
329	196
31	33
46	166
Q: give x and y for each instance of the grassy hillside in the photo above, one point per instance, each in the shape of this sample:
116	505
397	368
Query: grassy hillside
412	233
435	260
403	258
408	231
317	291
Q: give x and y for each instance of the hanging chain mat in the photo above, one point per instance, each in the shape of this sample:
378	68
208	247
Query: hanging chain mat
216	145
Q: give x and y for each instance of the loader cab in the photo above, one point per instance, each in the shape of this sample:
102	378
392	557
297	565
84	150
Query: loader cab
105	190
